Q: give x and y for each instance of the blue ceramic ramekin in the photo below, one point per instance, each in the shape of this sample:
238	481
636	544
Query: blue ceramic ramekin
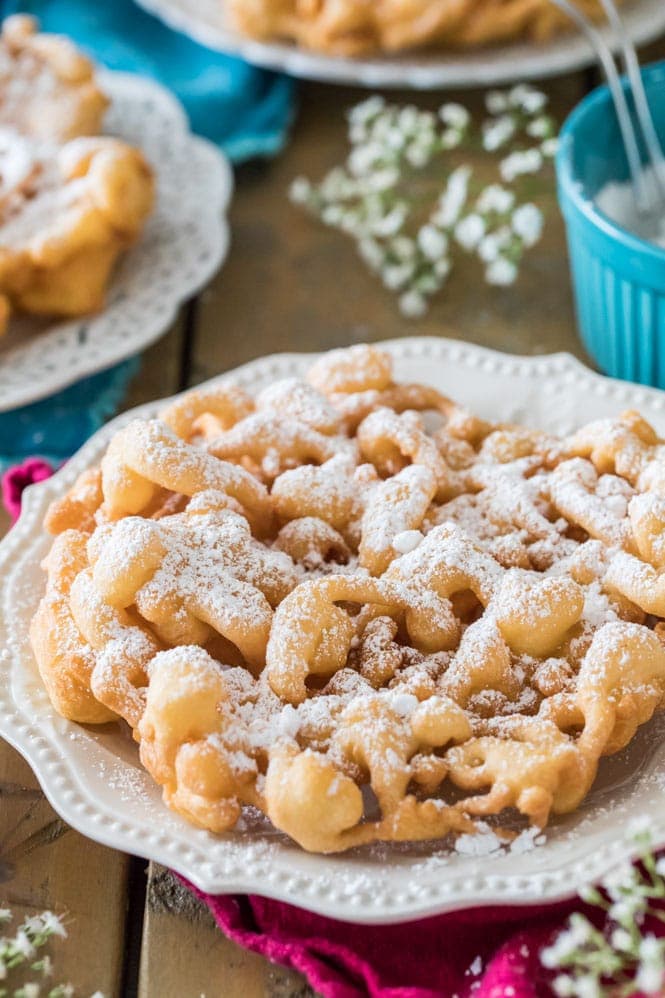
619	279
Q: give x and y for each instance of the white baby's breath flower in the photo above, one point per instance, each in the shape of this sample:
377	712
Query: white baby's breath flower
372	252
451	138
621	940
412	304
497	132
30	990
491	246
588	986
629	909
454	115
651	949
495	198
452	200
496	101
650	976
501	272
23	944
358	133
563	986
300	190
53	924
391	223
396	276
527	99
521	162
540	128
427	283
433	242
407	119
364	158
620	880
384	179
351	223
469	231
404	248
549	147
590	894
5	915
527	223
3	970
418	154
367	109
649	980
442	268
337	185
332	214
567	942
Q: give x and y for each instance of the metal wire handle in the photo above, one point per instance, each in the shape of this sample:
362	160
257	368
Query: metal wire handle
647	195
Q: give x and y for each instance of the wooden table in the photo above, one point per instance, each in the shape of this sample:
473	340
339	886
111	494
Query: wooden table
288	284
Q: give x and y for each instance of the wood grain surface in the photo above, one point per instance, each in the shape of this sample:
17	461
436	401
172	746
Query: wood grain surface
289	284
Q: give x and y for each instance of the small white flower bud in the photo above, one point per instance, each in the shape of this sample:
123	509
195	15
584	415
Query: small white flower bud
527	223
469	231
501	272
432	242
412	305
454	115
496	101
300	190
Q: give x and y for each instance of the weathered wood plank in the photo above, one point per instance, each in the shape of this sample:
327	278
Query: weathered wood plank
185	954
292	284
45	864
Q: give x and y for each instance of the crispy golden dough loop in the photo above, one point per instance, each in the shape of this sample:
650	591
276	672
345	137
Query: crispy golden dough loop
145	455
396	505
354	369
76	510
228	404
64	658
206	772
389	441
301	621
124	650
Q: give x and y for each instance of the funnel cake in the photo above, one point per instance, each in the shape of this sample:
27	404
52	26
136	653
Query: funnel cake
70	200
356	27
47	87
356	607
67	212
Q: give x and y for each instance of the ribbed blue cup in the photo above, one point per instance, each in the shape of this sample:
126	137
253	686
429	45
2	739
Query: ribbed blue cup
619	279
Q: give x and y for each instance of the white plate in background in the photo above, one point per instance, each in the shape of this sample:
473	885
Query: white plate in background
207	22
182	245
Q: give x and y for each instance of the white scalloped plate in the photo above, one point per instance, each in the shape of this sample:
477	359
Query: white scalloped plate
207	22
182	246
93	779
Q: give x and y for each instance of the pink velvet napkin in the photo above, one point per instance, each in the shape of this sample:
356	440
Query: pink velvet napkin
17	478
480	953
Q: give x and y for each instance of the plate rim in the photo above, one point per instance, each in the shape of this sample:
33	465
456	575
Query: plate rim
217	165
67	794
391	72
